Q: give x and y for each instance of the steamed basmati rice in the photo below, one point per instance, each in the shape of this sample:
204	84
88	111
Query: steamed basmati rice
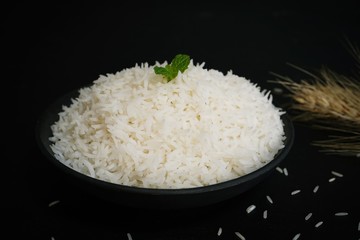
134	128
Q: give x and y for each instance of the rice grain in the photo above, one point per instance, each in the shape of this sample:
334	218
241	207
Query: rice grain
337	174
332	179
308	216
129	236
341	214
316	188
277	90
319	224
295	192
296	236
53	203
269	199
239	235
219	231
250	208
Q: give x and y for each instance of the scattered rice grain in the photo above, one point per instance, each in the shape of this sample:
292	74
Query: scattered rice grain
250	208
341	214
332	179
307	217
337	174
277	90
279	170
239	235
296	236
53	203
319	224
129	236
219	231
316	188
265	214
269	199
295	192
286	173
359	226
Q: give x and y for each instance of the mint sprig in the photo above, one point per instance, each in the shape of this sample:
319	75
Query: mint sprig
170	71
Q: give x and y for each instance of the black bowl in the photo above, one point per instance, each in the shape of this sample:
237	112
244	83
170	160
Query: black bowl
155	198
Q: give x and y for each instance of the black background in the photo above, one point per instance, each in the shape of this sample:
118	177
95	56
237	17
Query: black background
52	49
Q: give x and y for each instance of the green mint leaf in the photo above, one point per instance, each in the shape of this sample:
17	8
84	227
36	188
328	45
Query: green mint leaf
181	62
166	71
161	70
170	71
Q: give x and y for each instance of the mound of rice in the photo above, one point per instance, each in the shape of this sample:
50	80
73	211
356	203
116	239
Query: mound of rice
134	128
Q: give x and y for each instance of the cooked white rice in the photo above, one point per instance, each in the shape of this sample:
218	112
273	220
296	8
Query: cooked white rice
134	128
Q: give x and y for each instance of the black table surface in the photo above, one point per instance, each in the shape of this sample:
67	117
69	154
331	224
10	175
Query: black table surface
52	49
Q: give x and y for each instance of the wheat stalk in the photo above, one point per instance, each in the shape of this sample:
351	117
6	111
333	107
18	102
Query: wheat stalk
329	101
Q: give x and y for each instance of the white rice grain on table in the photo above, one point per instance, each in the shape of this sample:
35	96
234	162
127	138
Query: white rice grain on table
295	192
250	208
319	224
308	216
219	231
269	199
332	179
129	236
341	214
316	188
337	174
296	236
286	173
265	214
278	90
53	203
239	235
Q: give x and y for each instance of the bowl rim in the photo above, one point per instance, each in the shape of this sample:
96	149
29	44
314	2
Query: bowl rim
52	110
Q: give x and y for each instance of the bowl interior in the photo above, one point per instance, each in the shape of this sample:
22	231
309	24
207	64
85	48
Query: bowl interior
158	198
